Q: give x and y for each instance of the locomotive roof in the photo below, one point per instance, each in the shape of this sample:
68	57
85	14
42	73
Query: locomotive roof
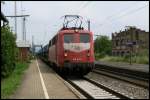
72	31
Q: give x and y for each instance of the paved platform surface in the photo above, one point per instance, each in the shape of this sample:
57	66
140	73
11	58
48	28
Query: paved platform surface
135	67
32	87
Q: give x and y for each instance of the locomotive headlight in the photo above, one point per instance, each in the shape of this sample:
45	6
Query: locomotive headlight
65	54
88	54
76	30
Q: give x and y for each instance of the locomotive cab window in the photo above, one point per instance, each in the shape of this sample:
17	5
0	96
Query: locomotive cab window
68	38
84	38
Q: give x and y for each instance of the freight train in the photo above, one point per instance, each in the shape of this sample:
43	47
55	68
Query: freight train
71	50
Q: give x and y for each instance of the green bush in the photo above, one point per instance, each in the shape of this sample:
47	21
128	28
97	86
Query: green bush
10	84
99	55
8	51
31	56
103	45
141	59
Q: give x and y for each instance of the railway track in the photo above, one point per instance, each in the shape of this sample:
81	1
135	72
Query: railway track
136	74
93	90
142	82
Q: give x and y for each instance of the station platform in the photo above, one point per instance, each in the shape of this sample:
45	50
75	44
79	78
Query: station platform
134	67
47	87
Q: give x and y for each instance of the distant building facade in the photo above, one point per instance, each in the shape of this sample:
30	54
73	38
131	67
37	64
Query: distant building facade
24	50
121	42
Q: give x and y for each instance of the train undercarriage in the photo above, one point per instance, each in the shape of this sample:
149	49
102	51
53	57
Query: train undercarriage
71	68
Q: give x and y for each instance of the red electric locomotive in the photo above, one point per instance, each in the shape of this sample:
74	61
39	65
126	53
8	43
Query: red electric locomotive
72	48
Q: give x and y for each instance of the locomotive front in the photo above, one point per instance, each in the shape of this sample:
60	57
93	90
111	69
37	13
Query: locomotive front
78	51
75	50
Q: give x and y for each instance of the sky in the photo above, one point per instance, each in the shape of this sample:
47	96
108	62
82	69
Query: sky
106	17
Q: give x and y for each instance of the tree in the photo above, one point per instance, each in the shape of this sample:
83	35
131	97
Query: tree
8	51
103	45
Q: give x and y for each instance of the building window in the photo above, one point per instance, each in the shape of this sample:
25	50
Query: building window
137	35
117	42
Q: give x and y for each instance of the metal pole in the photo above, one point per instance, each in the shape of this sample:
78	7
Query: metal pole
33	45
130	55
15	19
97	44
25	28
24	31
23	25
89	25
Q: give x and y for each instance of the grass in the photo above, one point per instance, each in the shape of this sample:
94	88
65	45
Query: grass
10	84
141	59
113	59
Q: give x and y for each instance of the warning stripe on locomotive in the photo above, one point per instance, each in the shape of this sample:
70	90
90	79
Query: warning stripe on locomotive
76	47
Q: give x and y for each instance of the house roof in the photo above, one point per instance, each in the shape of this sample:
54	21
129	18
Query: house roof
23	43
